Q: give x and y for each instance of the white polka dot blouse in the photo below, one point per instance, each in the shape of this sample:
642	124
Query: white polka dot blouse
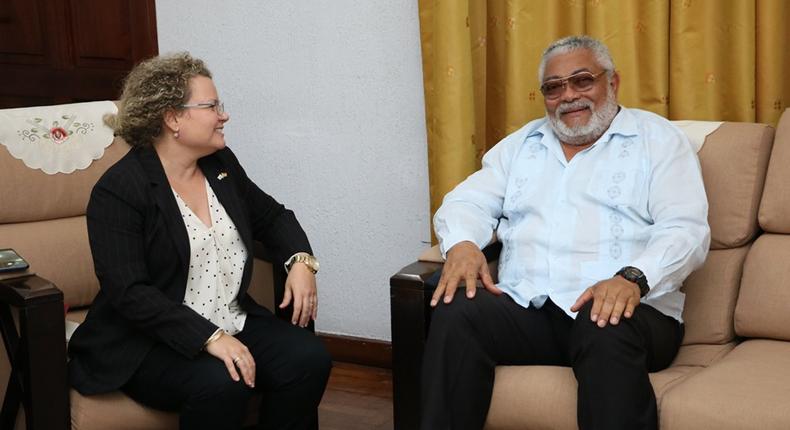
216	264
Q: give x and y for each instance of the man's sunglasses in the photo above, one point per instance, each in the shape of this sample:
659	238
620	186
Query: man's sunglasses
580	82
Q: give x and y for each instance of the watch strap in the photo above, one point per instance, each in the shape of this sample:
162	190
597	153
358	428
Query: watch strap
636	276
302	257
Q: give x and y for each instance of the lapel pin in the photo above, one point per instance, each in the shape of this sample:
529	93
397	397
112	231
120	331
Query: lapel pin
222	175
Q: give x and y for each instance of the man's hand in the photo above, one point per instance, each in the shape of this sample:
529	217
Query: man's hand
465	262
612	298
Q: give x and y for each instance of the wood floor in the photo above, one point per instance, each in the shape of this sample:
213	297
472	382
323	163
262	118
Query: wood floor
357	398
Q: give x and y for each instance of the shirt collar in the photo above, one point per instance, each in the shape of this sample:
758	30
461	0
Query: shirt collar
624	124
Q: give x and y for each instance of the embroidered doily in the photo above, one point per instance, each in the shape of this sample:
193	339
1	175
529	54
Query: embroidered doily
697	131
57	139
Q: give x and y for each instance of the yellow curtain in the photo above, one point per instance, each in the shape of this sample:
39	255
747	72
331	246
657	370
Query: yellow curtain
720	60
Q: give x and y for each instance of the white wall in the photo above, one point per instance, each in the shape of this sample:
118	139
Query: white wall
327	115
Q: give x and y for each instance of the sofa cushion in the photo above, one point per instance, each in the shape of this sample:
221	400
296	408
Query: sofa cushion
544	397
711	292
775	206
58	251
32	195
734	160
116	411
747	389
701	355
77	315
763	308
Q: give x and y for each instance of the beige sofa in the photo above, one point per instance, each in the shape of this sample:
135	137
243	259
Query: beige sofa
733	370
42	217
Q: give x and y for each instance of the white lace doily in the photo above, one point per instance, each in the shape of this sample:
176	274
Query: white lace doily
57	139
697	131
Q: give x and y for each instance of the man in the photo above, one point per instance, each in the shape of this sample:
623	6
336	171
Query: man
602	214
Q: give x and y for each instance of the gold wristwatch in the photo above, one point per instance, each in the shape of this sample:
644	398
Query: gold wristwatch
303	257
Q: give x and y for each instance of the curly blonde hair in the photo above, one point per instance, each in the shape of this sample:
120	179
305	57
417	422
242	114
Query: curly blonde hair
152	88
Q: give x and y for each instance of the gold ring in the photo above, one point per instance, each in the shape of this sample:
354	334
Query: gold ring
236	359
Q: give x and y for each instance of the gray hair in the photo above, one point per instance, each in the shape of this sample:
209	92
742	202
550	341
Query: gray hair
573	43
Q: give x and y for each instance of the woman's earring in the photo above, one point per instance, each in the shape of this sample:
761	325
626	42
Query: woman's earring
175	134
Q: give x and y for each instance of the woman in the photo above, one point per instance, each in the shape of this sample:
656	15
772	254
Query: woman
171	227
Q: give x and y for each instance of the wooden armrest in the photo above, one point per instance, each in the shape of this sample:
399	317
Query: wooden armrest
410	294
28	290
37	353
425	272
415	275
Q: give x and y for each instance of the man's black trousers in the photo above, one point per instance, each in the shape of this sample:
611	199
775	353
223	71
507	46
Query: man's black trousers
469	338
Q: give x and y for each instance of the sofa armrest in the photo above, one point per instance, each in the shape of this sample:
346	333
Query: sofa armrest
410	294
36	352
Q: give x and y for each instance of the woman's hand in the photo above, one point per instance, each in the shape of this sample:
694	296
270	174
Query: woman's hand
235	355
300	286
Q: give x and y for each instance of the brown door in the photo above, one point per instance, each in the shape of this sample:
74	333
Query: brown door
63	51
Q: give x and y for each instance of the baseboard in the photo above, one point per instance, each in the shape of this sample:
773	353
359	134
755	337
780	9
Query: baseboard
357	350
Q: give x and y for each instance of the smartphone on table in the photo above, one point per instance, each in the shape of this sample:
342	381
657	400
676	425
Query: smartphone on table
10	261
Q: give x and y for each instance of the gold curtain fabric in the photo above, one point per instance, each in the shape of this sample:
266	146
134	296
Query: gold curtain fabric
718	60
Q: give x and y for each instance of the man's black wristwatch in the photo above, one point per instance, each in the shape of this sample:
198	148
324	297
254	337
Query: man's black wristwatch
631	273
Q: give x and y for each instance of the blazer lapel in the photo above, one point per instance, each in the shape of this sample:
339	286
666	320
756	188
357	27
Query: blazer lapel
223	185
224	188
163	196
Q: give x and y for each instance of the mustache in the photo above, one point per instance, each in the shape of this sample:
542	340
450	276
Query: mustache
575	105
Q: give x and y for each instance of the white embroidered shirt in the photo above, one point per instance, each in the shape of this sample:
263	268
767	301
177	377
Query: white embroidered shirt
633	198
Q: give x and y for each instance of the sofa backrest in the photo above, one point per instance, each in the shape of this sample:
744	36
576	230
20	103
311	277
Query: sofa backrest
763	309
42	217
734	160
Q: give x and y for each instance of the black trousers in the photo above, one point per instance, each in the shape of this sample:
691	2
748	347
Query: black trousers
292	368
469	338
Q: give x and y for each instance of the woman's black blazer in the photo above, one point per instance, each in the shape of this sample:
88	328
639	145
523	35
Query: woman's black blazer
141	255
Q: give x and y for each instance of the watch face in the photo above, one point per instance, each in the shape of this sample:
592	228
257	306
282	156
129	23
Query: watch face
632	273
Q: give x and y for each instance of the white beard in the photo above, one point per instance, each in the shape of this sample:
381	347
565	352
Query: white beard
595	127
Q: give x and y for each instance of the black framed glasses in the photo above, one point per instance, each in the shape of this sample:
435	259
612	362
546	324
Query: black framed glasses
580	82
217	105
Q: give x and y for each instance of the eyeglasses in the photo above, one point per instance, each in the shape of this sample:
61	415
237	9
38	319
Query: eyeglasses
580	82
217	105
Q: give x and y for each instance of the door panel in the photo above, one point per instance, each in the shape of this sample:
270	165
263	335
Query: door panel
21	27
61	51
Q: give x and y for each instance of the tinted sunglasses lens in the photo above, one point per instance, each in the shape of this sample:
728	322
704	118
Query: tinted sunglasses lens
582	81
552	89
